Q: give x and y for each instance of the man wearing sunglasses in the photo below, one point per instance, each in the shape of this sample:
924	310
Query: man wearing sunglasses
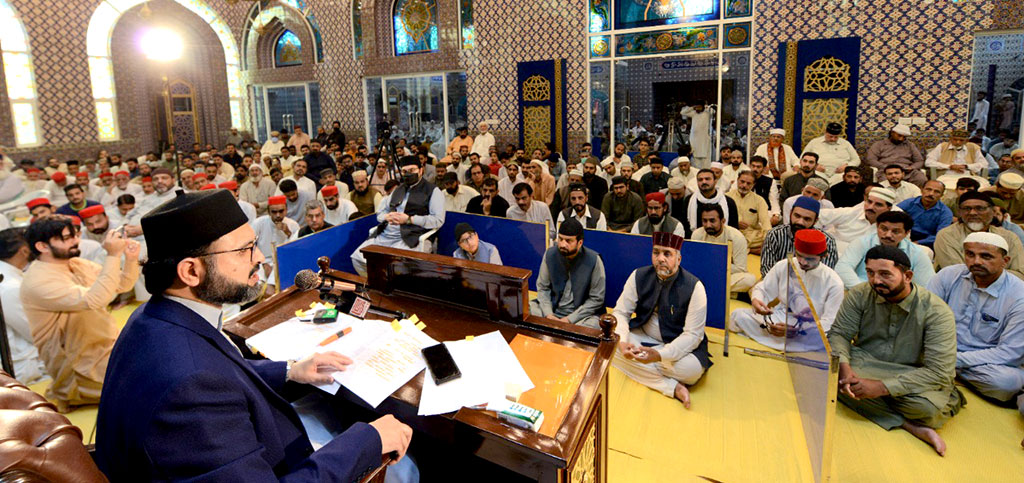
187	405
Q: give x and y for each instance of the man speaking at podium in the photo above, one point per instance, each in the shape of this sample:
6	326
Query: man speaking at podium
415	207
181	403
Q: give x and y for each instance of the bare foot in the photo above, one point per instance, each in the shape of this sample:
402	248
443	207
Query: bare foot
683	395
928	435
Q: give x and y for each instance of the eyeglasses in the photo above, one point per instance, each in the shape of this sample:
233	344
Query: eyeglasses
974	209
251	247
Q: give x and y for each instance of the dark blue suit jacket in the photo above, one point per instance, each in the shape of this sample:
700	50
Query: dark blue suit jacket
180	403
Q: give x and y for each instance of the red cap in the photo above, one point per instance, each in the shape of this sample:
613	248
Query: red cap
59	177
32	170
229	185
119	173
91	211
82	174
657	196
147	179
105	174
210	186
666	239
76	220
810	242
199	176
37	202
277	200
329	190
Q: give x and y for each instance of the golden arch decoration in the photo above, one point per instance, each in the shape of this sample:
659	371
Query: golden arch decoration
536	88
827	74
817	113
536	127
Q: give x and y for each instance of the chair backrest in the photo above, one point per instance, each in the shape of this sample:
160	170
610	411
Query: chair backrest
40	444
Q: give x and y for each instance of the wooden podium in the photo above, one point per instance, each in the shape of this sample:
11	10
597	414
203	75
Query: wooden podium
568	364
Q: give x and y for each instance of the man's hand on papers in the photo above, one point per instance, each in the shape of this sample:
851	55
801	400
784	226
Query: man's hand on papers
394	436
317	368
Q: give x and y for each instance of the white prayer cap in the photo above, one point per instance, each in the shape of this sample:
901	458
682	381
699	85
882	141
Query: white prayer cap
676	183
1011	180
682	159
901	129
576	172
885	194
204	155
780	132
625	164
717	165
988	238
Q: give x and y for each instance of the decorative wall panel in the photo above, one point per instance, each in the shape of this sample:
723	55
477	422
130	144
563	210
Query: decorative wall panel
667	41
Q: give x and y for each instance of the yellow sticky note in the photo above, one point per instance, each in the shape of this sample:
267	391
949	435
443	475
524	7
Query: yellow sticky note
395	325
328	305
414	319
312	304
421	326
300	313
469	337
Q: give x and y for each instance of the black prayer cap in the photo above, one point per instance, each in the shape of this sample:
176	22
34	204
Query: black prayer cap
975	195
834	128
571	227
462	229
190	221
408	160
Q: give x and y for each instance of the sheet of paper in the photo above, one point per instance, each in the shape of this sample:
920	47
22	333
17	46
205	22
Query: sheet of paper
487	363
386	364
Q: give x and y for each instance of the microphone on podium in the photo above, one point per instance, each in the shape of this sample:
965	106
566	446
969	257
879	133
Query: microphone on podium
351	299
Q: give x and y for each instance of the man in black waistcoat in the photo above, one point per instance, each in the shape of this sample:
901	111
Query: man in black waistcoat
415	207
663	347
571	281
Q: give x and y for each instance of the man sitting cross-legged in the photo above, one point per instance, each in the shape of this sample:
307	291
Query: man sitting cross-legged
663	347
896	343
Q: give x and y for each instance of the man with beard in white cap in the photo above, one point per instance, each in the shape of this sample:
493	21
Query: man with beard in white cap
849	224
781	157
989	311
895	149
975	216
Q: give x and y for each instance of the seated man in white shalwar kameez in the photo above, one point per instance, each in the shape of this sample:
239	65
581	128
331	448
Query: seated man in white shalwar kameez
663	347
788	323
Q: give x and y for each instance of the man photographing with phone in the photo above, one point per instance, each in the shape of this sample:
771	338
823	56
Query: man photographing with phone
186	405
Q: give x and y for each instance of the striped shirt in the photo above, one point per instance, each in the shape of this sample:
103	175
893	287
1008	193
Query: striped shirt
778	243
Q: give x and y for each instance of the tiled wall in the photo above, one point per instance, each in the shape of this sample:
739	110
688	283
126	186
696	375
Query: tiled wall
915	58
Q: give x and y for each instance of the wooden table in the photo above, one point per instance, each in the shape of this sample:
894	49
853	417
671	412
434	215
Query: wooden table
577	450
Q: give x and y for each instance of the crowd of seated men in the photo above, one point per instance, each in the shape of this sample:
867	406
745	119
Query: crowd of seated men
932	243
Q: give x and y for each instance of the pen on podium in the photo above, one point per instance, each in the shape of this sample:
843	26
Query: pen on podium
336	336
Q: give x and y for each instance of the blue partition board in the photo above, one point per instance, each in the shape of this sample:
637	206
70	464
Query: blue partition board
336	242
623	252
521	244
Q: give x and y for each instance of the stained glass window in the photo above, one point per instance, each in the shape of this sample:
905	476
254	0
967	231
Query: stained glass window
101	25
357	28
415	25
21	84
466	29
645	13
287	50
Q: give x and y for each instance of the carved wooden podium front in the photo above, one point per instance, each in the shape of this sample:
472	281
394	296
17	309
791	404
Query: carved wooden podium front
457	298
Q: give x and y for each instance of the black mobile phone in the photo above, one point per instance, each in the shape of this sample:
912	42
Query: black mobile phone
440	364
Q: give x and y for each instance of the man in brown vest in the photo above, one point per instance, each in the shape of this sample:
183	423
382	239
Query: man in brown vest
365	198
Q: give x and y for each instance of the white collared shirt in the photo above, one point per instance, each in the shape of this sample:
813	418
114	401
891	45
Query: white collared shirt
209	313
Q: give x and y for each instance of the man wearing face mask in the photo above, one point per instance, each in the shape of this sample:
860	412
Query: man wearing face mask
663	347
778	243
413	208
778	327
273	145
975	216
